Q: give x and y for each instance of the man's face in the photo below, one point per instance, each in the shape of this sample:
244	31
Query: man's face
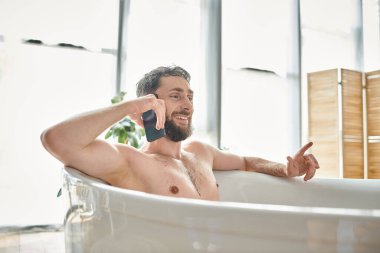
178	98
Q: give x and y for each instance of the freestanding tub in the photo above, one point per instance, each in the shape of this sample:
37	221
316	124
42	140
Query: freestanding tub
258	213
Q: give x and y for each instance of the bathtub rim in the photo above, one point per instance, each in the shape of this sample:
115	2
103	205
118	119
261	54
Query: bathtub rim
78	176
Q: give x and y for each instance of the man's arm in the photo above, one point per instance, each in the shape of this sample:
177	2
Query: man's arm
260	165
74	142
298	165
226	161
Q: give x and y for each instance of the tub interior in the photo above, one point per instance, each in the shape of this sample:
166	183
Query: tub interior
250	187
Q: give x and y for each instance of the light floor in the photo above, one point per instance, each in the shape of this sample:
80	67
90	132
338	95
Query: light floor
32	241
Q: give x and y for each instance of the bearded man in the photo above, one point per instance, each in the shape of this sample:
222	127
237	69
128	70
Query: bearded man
165	166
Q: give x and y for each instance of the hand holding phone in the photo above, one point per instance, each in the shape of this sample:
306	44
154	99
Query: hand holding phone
150	119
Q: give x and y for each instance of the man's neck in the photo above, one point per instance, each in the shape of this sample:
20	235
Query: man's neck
164	146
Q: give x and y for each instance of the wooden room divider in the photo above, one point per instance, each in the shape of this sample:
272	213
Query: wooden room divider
373	123
335	104
324	120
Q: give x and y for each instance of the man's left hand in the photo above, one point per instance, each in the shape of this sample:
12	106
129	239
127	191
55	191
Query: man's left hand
301	164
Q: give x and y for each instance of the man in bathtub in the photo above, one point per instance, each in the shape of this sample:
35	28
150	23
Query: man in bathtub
165	166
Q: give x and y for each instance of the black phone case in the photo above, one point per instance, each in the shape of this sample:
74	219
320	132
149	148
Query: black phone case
150	120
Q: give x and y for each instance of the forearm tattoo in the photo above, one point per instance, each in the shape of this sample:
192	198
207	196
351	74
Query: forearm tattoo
264	166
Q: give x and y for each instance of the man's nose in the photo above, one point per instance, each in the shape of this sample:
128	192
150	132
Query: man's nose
187	104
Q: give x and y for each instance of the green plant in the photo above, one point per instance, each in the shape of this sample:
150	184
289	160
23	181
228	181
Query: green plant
126	130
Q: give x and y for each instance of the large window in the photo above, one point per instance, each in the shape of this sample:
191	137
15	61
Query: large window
41	84
260	102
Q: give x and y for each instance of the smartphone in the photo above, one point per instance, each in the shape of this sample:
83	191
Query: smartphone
150	119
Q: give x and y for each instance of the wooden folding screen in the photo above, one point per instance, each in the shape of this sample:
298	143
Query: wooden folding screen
373	123
352	124
323	109
328	107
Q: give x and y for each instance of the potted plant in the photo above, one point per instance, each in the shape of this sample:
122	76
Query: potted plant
126	131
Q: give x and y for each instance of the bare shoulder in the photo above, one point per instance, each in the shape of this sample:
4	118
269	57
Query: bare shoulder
129	153
198	147
195	144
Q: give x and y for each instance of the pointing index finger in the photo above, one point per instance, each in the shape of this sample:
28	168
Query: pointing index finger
304	149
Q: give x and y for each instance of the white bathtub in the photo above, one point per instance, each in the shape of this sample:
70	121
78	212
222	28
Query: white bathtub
258	213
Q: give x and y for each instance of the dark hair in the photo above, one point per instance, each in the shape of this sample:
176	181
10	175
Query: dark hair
151	81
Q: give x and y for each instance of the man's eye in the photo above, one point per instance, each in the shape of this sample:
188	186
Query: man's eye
175	97
190	98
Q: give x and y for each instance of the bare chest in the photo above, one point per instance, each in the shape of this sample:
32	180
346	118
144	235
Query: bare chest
190	177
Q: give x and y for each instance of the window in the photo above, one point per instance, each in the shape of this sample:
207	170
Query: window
42	84
260	105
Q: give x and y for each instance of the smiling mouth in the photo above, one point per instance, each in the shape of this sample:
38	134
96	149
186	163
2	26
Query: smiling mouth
184	119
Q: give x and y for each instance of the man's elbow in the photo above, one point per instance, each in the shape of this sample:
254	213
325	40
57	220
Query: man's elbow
50	141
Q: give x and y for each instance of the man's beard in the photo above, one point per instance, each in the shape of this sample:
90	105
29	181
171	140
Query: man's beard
176	133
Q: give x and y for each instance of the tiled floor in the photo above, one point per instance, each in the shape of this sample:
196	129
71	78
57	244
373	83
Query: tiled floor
32	241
